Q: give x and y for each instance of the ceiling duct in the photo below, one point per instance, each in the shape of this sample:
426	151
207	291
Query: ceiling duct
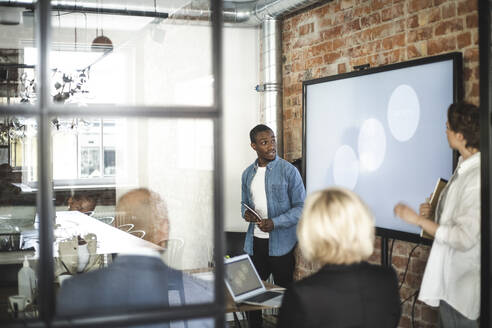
251	13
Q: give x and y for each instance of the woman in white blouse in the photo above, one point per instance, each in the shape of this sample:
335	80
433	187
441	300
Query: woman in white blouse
452	275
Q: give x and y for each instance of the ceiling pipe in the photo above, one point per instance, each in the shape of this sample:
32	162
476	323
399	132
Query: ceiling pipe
251	13
90	8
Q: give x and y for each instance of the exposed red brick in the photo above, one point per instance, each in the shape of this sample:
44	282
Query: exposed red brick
338	43
394	41
416	5
434	15
471	54
332	33
441	45
392	12
413	21
320	11
341	44
347	4
464	40
378	4
405	322
314	62
352	26
321	48
475	91
342	68
424	33
467	6
331	57
362	10
429	314
306	28
371	20
413	52
472	20
448	10
450	26
325	22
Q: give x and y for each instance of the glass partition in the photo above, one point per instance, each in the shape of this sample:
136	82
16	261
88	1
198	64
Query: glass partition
138	201
19	237
17	76
124	189
162	57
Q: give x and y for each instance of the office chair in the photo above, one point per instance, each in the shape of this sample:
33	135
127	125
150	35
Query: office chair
138	233
107	219
173	256
126	227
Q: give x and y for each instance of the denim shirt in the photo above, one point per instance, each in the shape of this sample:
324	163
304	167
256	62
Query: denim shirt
285	198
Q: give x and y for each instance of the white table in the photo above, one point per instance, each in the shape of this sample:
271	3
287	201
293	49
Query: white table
110	240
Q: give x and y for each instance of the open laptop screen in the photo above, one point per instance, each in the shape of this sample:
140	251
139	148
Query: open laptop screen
241	277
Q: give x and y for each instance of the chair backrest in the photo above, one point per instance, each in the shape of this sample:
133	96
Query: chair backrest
138	233
126	227
173	255
107	219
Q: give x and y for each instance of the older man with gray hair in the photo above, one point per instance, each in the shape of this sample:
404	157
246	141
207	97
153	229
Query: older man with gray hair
136	281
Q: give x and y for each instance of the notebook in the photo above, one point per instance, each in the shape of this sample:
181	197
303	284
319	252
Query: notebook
244	283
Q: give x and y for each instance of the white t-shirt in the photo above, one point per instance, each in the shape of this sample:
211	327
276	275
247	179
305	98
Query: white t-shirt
258	196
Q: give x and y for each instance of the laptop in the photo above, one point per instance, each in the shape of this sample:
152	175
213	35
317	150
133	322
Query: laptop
245	286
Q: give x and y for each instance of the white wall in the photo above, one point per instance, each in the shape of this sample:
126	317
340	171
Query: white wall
178	164
241	113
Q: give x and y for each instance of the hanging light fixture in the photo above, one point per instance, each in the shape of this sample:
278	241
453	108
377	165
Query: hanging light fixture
101	43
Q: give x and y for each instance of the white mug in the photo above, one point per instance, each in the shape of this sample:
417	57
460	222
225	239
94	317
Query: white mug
18	302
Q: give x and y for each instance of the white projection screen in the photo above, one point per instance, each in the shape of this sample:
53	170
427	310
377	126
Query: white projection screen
381	133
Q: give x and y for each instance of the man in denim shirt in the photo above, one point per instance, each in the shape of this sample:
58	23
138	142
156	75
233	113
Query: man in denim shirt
273	188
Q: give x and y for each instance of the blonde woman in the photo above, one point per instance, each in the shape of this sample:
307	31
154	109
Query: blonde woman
336	230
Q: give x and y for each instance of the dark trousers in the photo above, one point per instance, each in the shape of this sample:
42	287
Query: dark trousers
281	268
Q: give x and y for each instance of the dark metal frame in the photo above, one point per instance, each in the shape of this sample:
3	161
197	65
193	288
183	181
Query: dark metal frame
44	109
484	30
456	57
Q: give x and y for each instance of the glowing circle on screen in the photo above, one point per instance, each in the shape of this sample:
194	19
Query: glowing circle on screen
403	112
345	167
372	145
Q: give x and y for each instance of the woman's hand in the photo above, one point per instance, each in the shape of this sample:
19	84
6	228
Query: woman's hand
426	211
406	214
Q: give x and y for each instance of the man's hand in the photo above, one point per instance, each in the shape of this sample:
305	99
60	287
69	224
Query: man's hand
266	225
250	217
406	213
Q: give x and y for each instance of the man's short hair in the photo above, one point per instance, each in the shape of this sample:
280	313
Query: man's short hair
336	227
147	211
257	129
464	118
81	202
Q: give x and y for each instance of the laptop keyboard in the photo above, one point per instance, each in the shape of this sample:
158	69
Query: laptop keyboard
262	297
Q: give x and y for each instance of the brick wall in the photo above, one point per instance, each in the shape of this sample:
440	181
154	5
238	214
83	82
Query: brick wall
335	36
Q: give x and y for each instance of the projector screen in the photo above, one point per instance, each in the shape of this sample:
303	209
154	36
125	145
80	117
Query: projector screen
382	133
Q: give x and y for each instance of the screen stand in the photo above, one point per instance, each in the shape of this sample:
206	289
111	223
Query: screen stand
385	260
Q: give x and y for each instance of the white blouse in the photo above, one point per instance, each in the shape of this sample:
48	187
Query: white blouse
452	273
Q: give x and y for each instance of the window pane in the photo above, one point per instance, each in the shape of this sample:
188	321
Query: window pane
17	81
152	228
100	58
18	230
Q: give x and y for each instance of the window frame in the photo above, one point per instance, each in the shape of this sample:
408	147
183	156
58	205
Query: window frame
43	110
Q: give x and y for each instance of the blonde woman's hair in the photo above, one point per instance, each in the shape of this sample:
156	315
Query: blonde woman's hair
336	227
